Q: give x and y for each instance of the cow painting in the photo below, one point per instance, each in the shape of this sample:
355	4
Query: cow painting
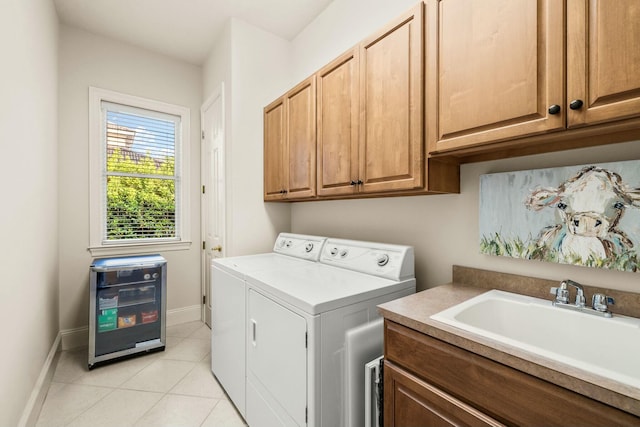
588	208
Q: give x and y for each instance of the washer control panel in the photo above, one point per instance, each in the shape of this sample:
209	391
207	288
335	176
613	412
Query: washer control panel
299	245
390	261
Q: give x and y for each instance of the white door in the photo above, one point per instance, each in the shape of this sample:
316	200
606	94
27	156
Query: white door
213	190
277	357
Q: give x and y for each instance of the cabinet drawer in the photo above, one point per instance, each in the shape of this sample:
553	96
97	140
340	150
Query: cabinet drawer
503	393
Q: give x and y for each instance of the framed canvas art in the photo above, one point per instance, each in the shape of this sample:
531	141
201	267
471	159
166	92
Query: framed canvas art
586	215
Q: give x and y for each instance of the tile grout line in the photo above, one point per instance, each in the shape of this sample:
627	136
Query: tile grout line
66	423
111	389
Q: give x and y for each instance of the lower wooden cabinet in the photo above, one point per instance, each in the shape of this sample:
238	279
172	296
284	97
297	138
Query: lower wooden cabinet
413	402
428	382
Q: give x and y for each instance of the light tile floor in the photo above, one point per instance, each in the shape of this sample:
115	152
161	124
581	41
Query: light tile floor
170	388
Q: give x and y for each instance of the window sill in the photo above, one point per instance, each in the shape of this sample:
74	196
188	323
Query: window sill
139	248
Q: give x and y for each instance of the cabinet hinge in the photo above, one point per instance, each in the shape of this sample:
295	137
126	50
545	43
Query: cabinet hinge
202	134
203	189
204	299
203	247
306	415
306	340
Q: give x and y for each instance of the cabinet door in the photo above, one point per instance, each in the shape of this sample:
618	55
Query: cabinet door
603	60
274	150
338	126
301	140
391	106
410	401
498	67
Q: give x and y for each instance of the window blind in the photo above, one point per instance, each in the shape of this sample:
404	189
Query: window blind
141	174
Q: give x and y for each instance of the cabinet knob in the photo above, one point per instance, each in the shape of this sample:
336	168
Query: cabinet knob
359	182
576	104
554	109
352	182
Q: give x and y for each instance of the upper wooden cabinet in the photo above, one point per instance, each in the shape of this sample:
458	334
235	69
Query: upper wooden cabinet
499	68
603	60
290	144
338	120
494	68
370	107
392	151
361	130
300	107
274	151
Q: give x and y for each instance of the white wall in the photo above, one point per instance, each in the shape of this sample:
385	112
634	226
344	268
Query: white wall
28	171
254	66
342	25
443	229
89	60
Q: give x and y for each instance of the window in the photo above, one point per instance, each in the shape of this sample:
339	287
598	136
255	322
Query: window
138	188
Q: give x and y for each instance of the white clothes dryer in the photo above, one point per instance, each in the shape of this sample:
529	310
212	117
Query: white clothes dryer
297	321
228	305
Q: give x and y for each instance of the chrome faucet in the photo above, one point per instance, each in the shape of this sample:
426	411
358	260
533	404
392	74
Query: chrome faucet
599	303
579	291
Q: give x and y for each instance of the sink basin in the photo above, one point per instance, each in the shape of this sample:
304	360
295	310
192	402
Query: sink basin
608	347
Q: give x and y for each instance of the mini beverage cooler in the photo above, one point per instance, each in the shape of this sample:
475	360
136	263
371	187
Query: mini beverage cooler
127	307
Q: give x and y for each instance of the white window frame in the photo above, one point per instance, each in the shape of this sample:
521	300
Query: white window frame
97	158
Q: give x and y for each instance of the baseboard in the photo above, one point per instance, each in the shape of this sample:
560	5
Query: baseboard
34	404
184	315
79	337
75	338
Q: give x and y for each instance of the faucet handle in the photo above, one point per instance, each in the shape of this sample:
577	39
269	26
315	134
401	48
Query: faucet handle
601	302
561	293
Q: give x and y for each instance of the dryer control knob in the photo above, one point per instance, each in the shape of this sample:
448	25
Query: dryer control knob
333	251
382	260
308	247
289	243
344	253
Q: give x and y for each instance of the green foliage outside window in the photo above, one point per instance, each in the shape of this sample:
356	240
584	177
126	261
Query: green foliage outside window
140	207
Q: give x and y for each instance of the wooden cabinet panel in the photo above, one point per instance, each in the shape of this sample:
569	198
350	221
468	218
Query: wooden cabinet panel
301	139
290	144
413	402
391	106
496	67
338	117
364	122
503	393
274	150
603	60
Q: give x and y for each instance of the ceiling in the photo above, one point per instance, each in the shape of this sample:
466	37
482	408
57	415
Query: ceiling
184	29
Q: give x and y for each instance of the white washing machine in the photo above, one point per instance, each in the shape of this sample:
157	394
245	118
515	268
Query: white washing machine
297	321
228	305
